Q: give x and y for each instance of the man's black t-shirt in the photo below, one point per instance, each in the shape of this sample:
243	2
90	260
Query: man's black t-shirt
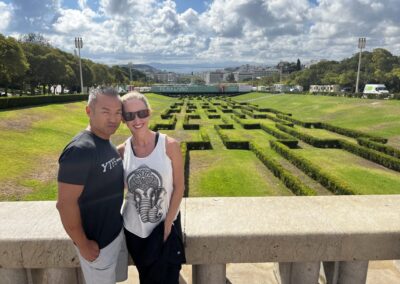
94	162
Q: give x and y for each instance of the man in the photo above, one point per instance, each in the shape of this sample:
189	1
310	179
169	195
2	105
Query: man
90	189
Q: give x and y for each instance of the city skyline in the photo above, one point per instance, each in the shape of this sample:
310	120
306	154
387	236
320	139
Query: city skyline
219	33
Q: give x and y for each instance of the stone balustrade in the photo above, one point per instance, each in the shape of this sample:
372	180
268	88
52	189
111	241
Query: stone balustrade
343	232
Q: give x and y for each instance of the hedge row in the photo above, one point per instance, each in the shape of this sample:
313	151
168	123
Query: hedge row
334	185
170	125
316	142
291	182
352	133
14	102
166	114
299	122
372	155
286	139
214	116
379	147
246	125
239	114
190	126
244	145
194	116
276	119
273	111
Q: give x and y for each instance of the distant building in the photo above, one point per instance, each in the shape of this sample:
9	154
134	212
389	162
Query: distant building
165	77
240	76
213	77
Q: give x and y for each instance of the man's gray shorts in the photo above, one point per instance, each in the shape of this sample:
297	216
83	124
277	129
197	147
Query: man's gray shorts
110	266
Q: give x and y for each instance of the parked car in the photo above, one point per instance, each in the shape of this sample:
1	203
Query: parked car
346	90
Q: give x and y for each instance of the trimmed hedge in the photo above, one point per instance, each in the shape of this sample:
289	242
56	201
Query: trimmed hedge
170	125
379	147
189	126
299	122
316	142
289	180
372	155
334	185
352	133
244	145
284	138
14	102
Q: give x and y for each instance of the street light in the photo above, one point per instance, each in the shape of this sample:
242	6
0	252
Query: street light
79	45
361	45
130	72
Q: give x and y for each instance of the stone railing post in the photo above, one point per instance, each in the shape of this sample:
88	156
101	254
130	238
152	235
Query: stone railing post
346	272
209	273
13	275
298	272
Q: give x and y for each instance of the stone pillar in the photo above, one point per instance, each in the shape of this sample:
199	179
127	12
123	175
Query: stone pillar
298	272
209	273
56	275
346	272
13	275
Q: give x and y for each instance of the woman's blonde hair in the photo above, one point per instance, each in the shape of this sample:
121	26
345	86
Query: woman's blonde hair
135	95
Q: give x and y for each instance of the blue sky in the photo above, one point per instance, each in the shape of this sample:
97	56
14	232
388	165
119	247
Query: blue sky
205	32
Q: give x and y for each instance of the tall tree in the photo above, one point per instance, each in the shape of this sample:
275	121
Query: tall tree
13	62
298	65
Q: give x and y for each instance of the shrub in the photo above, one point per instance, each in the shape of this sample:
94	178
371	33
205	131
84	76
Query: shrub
334	185
291	182
15	102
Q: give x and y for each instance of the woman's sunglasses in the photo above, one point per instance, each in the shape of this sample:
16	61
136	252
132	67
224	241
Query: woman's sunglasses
128	116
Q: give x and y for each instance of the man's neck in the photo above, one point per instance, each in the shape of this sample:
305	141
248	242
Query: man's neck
98	133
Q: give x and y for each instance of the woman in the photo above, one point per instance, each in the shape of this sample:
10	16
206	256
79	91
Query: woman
153	173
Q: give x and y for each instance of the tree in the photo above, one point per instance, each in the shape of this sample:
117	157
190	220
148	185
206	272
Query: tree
13	62
298	65
230	78
35	38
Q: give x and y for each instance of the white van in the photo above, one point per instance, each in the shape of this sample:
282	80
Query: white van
378	89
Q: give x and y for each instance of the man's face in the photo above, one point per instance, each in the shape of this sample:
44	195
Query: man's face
105	115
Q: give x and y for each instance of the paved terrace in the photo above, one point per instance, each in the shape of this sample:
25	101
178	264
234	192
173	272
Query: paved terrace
343	232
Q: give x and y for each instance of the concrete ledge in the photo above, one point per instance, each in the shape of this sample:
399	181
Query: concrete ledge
292	229
230	230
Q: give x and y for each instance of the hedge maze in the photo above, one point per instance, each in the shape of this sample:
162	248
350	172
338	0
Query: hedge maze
283	144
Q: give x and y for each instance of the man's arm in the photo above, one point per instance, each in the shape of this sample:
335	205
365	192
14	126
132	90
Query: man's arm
67	205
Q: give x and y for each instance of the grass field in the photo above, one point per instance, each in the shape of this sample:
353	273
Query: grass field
379	117
32	138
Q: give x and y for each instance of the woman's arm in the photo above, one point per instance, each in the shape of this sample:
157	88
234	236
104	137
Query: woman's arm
121	150
175	154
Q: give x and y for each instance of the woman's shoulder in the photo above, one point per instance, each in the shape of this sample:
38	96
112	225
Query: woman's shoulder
172	145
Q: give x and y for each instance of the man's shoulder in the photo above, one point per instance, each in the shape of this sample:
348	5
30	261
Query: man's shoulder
81	146
83	140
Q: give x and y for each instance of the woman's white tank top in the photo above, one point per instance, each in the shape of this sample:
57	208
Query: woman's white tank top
150	184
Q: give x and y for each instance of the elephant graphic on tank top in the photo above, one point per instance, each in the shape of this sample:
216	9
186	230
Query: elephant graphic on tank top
148	192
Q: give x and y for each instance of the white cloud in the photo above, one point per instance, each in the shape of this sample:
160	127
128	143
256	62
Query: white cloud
5	15
263	31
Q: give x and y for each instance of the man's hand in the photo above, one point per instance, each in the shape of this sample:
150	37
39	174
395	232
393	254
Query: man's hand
89	251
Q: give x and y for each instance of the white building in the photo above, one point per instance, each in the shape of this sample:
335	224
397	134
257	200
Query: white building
213	77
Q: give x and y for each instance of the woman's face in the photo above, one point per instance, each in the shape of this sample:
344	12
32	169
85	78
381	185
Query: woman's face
138	124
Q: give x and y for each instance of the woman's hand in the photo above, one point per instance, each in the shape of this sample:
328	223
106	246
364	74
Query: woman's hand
167	229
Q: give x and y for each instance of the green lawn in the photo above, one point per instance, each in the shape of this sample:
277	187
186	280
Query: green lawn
378	117
31	140
231	173
362	175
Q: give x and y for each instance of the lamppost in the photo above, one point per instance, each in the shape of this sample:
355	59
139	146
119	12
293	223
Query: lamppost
79	45
130	72
361	45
